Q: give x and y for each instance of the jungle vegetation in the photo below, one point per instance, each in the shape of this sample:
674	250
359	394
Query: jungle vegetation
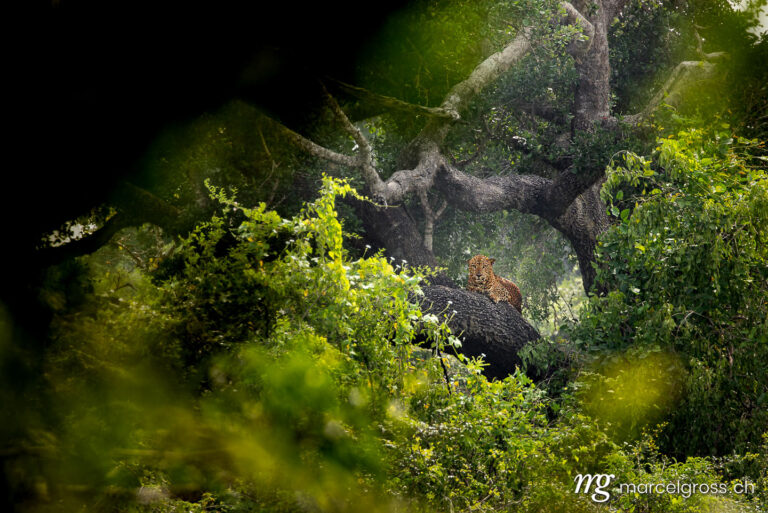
237	258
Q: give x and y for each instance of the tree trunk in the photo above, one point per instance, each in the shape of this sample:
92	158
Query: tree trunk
581	224
393	229
495	331
594	91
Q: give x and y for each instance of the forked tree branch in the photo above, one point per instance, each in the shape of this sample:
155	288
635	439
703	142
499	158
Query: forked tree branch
522	192
430	217
581	46
429	160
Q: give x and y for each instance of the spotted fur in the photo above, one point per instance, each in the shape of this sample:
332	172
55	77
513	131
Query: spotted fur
482	279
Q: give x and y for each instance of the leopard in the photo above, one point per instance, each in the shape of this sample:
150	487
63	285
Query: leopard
482	279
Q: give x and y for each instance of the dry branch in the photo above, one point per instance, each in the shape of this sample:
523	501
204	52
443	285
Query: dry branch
388	103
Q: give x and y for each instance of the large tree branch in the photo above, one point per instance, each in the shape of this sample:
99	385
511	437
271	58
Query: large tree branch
495	331
459	97
427	160
570	203
592	98
527	193
420	157
470	193
566	187
423	152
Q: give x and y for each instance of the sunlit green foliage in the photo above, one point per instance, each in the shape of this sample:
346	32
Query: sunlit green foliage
263	369
642	464
287	408
259	364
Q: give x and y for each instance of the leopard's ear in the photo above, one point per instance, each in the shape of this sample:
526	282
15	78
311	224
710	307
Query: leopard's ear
492	260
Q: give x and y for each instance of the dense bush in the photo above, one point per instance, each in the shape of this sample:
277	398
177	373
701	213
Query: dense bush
686	267
262	369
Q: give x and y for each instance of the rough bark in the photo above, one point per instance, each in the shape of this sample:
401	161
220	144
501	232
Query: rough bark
592	99
581	224
495	331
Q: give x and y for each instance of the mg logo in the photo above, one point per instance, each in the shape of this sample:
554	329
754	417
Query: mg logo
601	481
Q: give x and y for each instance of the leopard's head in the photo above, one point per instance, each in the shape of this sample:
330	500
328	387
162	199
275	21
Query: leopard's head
481	269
